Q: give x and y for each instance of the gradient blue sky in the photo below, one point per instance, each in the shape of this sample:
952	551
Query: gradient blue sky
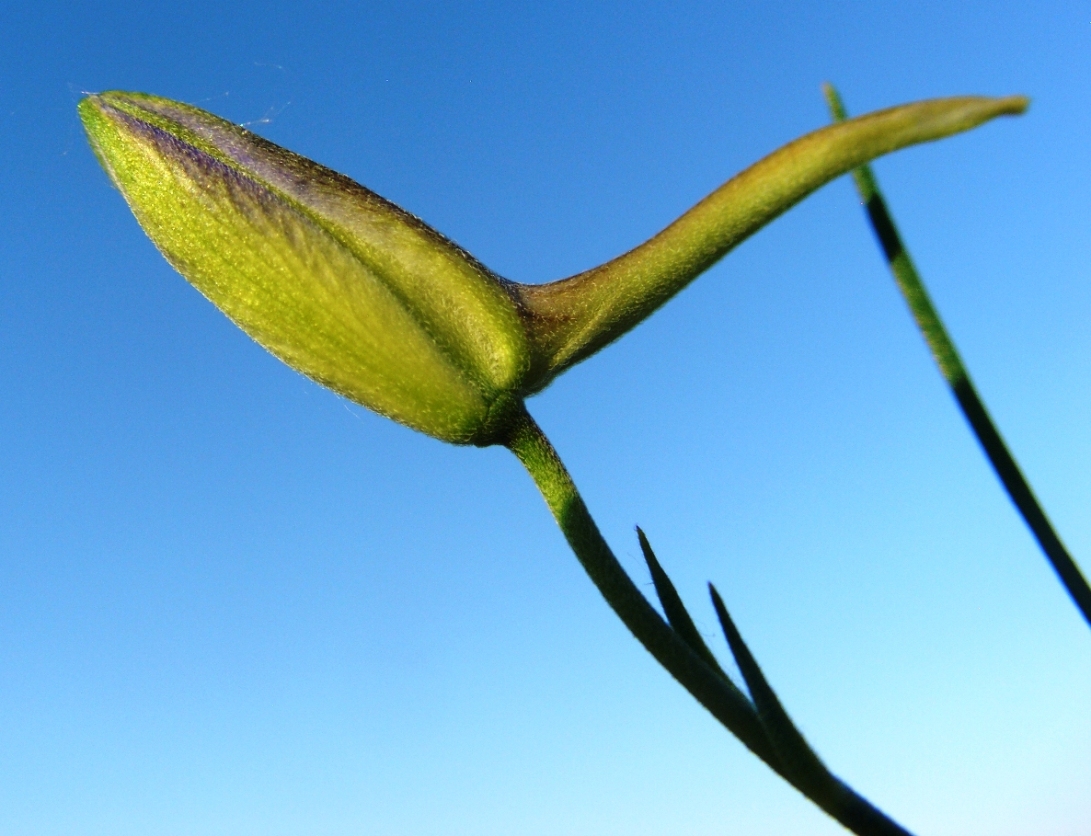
232	603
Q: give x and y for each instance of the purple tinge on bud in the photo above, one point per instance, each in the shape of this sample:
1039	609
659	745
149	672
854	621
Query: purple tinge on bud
337	282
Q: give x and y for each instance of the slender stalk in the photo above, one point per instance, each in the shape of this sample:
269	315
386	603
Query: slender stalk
954	372
710	688
573	318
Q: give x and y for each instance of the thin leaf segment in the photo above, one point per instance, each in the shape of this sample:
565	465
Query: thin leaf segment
958	379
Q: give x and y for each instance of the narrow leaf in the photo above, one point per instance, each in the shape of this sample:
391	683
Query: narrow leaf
800	760
675	610
954	372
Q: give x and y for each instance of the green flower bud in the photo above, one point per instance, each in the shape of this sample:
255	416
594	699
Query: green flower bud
368	300
337	282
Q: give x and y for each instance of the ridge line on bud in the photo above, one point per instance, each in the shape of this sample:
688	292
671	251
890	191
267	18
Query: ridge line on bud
334	280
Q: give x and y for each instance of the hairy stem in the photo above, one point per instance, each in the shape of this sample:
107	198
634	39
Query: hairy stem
707	685
572	318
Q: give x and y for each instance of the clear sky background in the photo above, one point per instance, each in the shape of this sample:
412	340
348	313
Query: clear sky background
233	603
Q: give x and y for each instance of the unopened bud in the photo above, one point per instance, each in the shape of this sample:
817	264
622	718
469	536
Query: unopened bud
337	282
368	300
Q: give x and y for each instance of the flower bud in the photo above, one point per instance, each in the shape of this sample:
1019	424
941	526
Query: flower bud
337	282
368	300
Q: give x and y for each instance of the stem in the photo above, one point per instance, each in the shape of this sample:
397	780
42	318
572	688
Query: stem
573	318
710	688
954	372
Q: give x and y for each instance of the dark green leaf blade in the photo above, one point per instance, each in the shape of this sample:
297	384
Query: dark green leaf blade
797	755
954	372
677	615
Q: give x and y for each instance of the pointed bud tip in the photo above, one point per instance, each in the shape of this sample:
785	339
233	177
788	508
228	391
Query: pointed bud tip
1013	105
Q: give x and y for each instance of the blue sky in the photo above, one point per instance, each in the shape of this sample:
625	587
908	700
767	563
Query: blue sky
231	602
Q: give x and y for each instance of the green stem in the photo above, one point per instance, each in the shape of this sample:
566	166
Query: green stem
573	318
954	372
730	707
710	688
